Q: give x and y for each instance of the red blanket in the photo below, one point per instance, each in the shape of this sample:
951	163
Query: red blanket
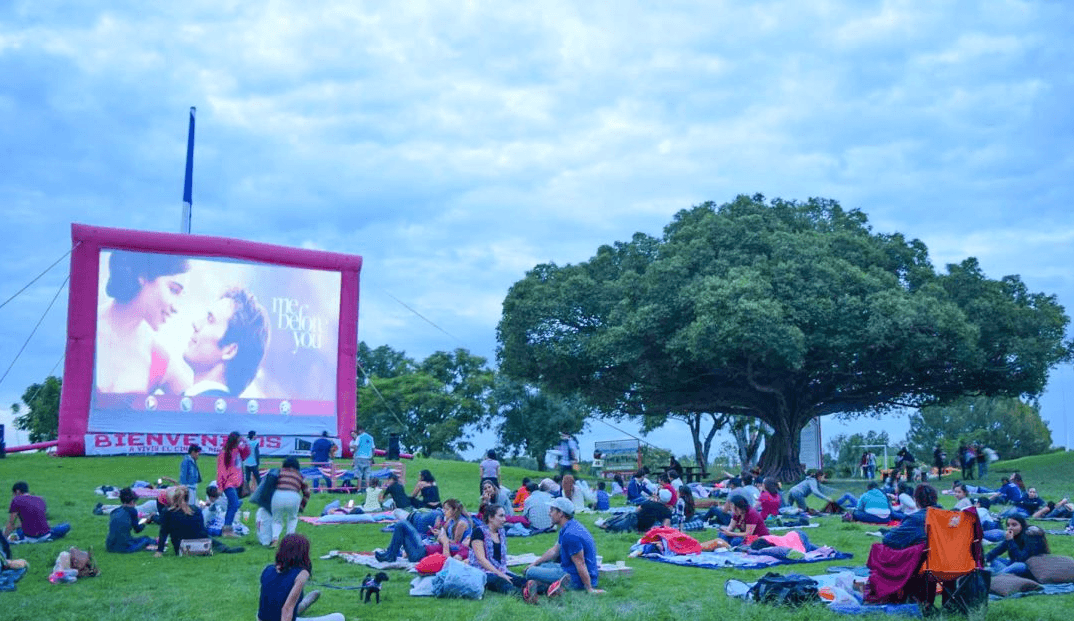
674	540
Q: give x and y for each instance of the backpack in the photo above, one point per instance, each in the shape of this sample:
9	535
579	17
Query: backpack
785	590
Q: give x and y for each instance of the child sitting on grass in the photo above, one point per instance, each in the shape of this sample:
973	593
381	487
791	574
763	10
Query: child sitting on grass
120	524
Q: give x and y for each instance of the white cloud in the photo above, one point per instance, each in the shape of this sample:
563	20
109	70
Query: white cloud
457	145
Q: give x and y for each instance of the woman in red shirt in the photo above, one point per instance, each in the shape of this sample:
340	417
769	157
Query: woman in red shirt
745	525
770	500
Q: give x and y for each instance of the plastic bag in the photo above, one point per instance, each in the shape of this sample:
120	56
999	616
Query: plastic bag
459	580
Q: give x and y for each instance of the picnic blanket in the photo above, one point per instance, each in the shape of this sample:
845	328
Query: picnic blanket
740	560
8	578
349	518
367	559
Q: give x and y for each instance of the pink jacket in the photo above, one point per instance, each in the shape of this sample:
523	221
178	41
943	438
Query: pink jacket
230	475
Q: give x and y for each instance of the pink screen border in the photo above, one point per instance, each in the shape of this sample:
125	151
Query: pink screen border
88	241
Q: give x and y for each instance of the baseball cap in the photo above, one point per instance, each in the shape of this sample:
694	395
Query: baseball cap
564	505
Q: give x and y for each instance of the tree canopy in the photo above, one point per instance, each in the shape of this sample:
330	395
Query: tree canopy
530	420
1010	426
778	310
42	417
429	404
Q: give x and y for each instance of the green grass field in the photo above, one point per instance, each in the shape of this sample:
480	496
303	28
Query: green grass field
226	586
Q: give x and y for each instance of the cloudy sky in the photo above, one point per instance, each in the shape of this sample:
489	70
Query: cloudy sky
455	145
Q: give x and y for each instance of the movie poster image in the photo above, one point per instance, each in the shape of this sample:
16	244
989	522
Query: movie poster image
213	344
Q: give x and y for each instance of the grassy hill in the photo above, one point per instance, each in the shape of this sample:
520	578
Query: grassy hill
226	586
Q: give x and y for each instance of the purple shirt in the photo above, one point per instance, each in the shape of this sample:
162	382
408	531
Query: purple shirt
31	510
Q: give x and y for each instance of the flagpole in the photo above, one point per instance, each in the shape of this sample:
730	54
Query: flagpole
188	181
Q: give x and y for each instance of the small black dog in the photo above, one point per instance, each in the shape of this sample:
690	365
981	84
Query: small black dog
371	586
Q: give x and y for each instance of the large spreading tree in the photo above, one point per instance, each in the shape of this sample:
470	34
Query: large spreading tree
778	310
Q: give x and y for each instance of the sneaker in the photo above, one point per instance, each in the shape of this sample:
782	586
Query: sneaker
382	557
1069	530
97	510
556	588
529	592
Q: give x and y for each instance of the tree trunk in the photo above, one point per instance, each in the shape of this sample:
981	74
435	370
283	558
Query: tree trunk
782	451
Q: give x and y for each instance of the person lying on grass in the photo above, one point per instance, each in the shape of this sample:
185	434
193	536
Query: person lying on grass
488	553
120	524
282	583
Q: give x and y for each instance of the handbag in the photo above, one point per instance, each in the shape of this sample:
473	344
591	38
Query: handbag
82	562
196	547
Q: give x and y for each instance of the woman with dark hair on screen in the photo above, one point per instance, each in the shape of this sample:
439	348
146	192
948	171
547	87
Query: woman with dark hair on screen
229	477
282	583
143	291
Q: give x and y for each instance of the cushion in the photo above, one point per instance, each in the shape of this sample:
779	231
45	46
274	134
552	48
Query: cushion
1009	584
430	564
1051	568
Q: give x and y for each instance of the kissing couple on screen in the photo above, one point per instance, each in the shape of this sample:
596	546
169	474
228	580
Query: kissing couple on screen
225	349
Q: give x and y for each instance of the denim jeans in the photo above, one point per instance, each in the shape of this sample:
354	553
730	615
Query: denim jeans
139	544
233	502
865	516
847	498
405	537
1004	566
57	532
722	517
507	587
546	573
424	520
797	499
1013	511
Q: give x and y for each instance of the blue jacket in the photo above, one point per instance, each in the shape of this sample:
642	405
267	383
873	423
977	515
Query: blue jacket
635	491
189	474
910	532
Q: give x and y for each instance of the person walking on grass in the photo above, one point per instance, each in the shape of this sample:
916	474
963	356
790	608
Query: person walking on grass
363	448
189	473
490	470
251	466
577	554
229	477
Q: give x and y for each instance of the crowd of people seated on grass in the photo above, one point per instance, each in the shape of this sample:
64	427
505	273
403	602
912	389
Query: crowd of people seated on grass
746	508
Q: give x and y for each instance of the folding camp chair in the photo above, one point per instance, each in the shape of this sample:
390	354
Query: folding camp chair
953	560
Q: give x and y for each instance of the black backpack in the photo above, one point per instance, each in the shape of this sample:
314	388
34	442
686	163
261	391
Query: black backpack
788	590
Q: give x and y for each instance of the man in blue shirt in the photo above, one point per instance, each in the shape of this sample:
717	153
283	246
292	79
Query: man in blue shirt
577	553
362	446
321	456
